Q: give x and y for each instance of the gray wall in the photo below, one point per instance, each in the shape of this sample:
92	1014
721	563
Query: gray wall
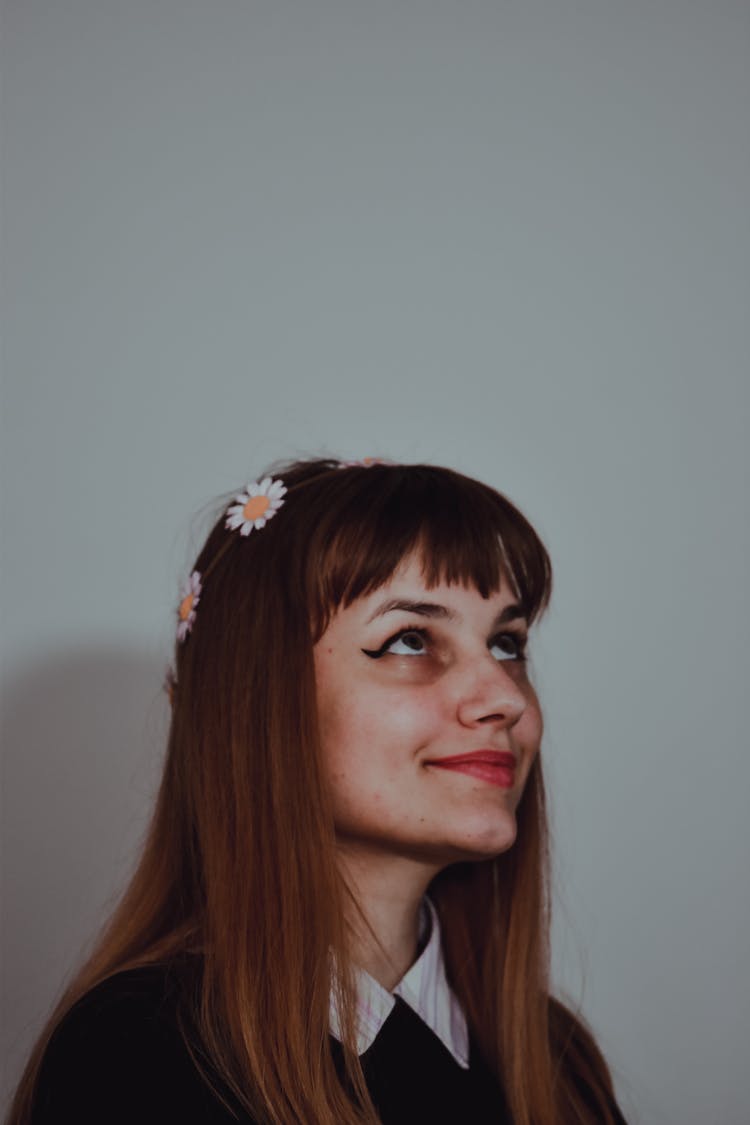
508	237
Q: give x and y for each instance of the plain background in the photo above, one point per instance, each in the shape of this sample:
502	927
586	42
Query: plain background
510	237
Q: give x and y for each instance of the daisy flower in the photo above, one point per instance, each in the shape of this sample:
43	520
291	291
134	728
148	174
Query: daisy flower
190	592
256	505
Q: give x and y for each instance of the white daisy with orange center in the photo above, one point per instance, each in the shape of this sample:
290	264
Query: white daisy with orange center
256	505
190	594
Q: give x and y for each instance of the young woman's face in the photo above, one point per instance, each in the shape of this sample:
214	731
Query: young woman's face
409	678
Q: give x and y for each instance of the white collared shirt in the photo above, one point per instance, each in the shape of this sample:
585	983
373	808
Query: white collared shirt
424	988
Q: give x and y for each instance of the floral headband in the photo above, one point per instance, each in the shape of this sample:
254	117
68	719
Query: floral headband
252	509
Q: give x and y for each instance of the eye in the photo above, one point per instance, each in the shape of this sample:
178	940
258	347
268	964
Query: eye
407	642
509	646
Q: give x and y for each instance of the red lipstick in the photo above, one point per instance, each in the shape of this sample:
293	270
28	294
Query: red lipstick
488	765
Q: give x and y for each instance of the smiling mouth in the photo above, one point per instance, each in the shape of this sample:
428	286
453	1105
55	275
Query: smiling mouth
490	768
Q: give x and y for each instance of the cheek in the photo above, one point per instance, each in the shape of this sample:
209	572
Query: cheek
373	724
366	734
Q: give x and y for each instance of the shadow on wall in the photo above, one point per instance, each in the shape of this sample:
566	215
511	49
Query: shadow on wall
84	734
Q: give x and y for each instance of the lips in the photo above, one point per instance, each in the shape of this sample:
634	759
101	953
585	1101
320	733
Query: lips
494	766
485	757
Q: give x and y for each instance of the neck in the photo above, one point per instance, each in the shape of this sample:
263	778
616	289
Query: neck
389	892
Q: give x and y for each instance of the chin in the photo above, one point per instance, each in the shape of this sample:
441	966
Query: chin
486	839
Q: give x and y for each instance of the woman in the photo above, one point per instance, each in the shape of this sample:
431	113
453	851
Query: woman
340	914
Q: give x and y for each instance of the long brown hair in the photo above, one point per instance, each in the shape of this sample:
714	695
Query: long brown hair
238	870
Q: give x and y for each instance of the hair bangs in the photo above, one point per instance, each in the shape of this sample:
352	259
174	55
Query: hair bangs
463	531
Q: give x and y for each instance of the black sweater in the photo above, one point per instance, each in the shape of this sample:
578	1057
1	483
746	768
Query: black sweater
118	1058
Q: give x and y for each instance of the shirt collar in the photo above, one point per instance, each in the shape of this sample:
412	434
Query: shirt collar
424	988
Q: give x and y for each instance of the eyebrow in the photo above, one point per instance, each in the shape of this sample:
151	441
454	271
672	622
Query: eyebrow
440	612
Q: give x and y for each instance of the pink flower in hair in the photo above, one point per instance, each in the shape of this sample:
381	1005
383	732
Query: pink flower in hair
364	463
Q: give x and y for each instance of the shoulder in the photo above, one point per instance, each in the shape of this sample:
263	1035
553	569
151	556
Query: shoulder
137	1005
119	1055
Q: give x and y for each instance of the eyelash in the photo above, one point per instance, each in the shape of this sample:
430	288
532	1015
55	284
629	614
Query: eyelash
519	639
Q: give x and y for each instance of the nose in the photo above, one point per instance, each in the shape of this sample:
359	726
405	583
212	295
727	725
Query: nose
491	694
